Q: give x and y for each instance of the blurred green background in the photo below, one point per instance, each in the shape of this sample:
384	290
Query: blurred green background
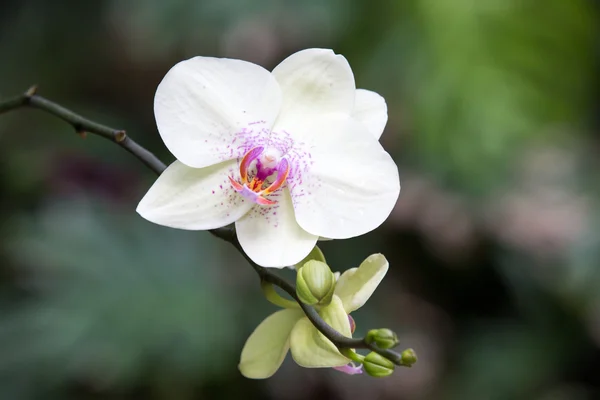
494	244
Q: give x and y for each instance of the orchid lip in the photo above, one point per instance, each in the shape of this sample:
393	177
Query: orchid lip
251	187
350	369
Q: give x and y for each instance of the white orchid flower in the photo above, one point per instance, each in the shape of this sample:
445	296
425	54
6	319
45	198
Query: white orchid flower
289	156
290	329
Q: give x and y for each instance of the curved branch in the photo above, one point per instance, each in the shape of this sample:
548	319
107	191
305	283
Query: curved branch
339	340
82	125
118	136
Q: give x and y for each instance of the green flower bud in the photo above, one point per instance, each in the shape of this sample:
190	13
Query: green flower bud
315	254
377	365
384	338
315	283
409	357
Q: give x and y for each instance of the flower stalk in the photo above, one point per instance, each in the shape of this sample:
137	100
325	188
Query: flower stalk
30	99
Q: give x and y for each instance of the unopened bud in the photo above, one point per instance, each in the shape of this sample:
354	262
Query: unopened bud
315	283
378	366
409	357
384	338
315	254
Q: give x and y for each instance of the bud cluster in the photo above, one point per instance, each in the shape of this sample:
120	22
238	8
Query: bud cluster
315	286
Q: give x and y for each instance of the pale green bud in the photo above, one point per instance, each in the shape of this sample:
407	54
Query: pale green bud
315	283
409	357
384	338
378	366
315	254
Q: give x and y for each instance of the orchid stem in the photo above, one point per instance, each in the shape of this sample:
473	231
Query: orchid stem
351	354
81	125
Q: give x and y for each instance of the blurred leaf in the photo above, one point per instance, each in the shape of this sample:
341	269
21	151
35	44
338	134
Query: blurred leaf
503	362
482	78
116	297
204	25
581	277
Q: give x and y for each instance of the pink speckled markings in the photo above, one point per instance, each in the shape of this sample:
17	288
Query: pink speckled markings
251	185
274	161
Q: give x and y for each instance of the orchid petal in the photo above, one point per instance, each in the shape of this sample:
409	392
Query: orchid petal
247	160
335	315
313	82
207	108
350	185
283	169
310	349
370	109
194	198
270	235
356	285
267	346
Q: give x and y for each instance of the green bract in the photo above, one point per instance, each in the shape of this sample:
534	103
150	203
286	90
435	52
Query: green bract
289	328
